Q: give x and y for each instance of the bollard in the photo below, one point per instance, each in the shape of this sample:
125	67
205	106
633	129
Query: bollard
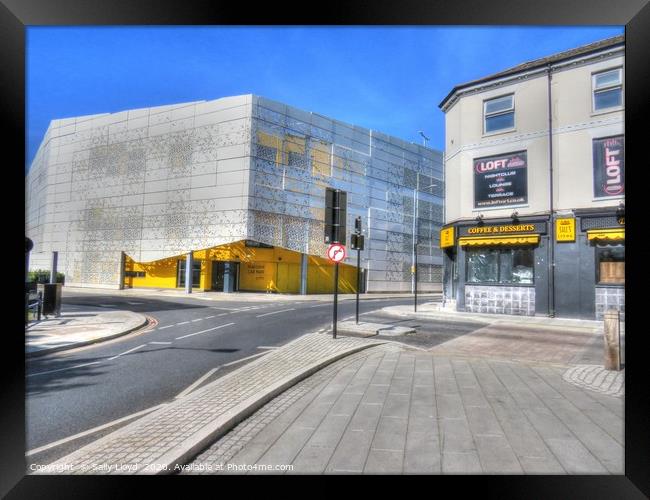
612	337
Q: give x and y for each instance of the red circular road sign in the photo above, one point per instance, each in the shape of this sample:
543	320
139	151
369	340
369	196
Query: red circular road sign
336	252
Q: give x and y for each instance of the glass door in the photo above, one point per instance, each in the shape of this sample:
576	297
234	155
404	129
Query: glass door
218	269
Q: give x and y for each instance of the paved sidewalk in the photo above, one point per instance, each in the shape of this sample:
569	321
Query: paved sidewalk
173	434
433	310
247	296
396	410
78	328
519	338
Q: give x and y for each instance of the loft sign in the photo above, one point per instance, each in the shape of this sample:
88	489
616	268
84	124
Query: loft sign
609	167
501	180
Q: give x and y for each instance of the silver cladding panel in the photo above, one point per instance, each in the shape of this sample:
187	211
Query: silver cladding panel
161	181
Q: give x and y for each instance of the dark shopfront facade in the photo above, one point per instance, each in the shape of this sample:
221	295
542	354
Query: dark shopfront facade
501	266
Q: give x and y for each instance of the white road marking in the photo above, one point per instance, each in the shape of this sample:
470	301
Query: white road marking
223	314
92	431
126	352
275	312
268	347
163	327
204	331
197	383
243	359
195	320
61	369
182	323
319	305
161	343
209	317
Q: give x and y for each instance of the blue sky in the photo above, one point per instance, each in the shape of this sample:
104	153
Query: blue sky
389	79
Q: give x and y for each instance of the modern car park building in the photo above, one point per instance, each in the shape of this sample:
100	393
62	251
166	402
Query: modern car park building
535	187
236	188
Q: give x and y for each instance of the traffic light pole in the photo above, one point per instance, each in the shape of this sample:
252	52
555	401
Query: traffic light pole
358	280
336	297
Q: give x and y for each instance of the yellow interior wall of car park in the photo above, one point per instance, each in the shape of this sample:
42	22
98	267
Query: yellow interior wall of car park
261	270
320	276
320	153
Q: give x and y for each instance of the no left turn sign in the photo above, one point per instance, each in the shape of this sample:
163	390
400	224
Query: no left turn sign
336	252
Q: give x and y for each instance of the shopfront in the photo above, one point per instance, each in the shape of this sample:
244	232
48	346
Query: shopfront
496	266
605	235
501	267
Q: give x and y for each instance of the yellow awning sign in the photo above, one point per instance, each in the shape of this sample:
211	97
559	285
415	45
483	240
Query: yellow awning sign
447	237
606	234
526	239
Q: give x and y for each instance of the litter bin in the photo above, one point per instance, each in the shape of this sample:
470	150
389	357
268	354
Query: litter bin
51	298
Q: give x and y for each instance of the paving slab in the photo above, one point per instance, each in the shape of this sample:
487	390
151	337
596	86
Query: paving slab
439	414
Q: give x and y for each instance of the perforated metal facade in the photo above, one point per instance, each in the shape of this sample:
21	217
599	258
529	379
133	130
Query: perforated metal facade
159	182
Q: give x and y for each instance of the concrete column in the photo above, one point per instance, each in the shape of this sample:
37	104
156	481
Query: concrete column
122	262
188	272
303	274
53	266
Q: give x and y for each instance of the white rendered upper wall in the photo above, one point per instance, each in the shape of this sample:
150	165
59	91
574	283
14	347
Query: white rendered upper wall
575	126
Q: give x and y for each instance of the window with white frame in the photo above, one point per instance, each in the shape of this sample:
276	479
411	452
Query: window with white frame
608	89
499	113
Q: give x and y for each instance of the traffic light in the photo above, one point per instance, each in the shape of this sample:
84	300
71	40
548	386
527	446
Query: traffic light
357	225
356	241
336	202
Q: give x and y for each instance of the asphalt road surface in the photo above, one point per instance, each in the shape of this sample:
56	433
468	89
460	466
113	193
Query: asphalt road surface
76	396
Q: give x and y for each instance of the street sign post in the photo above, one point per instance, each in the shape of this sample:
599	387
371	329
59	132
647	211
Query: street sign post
336	203
336	253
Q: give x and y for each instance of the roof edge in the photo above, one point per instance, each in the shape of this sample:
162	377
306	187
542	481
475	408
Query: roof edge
538	63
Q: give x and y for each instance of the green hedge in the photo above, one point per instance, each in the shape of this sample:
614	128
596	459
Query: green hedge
43	276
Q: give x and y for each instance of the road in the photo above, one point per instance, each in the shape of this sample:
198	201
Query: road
190	343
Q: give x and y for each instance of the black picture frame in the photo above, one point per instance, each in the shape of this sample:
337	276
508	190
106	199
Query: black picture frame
15	15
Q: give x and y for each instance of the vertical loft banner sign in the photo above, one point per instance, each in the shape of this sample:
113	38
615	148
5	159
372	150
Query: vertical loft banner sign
501	180
609	167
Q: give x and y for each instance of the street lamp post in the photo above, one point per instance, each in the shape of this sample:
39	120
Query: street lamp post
416	214
424	138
